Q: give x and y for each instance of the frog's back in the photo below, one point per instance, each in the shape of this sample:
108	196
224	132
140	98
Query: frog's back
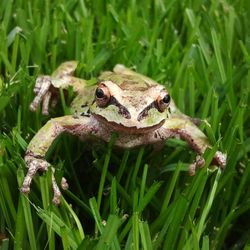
81	103
127	79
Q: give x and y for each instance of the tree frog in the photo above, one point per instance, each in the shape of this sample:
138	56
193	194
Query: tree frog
138	109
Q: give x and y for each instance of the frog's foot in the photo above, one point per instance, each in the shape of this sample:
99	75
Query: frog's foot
219	159
198	163
43	90
34	164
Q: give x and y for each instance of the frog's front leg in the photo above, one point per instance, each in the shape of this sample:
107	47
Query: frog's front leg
188	131
47	87
41	142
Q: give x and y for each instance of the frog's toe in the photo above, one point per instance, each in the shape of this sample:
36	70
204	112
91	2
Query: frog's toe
56	190
41	89
198	163
33	106
25	189
46	100
192	169
64	184
220	159
56	199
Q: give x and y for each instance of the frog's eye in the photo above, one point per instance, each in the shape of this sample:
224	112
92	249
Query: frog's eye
102	95
163	101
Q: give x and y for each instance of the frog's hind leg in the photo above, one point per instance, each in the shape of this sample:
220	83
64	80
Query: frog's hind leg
47	87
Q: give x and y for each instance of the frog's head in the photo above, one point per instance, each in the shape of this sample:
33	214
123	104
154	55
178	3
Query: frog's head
131	105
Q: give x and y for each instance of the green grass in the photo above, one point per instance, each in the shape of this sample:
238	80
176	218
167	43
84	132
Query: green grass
129	199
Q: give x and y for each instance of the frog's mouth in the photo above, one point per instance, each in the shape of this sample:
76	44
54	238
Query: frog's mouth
132	130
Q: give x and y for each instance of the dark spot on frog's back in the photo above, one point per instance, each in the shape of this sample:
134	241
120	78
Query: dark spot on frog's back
84	105
86	113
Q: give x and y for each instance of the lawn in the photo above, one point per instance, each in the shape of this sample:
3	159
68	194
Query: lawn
140	198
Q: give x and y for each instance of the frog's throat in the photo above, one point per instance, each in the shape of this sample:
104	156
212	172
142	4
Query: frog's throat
131	130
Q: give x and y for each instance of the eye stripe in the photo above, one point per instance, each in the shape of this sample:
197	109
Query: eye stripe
122	110
144	112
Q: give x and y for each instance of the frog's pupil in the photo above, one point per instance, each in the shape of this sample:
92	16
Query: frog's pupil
99	93
166	99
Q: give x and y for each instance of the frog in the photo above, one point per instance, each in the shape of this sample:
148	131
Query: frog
139	110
